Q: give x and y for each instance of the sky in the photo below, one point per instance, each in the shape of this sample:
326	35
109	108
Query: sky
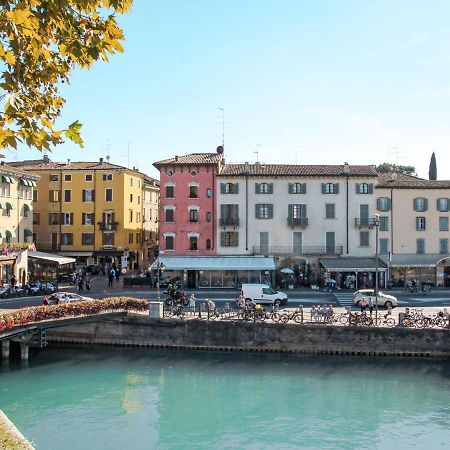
306	82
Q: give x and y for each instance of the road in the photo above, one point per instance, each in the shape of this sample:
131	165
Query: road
307	298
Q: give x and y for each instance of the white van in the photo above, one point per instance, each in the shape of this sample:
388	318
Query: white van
263	293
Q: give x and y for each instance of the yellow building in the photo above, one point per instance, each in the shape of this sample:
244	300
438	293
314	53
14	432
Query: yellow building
89	210
150	211
16	220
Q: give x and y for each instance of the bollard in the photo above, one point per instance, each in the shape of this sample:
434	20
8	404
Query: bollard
200	311
389	311
401	317
227	305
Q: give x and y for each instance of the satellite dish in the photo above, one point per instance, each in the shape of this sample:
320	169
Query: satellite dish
219	150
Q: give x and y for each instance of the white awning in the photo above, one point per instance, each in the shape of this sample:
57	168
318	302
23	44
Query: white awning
415	260
58	259
215	263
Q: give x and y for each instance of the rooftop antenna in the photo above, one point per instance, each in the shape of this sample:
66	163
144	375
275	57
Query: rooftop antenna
258	146
390	150
108	146
223	125
128	154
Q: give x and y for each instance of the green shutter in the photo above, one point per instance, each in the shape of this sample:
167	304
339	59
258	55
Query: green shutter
236	239
370	188
222	238
236	188
389	204
222	188
415	204
425	204
222	211
357	187
303	189
270	188
236	211
256	188
290	188
257	211
437	204
270	208
336	188
303	211
290	211
379	204
324	186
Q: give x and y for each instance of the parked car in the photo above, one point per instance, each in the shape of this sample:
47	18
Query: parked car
383	299
263	293
64	297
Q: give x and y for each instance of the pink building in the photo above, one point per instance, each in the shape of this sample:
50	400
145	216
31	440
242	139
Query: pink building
187	203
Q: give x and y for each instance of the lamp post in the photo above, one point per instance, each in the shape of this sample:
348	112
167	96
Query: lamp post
376	220
160	267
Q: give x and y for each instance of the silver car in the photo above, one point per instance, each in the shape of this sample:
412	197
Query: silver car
383	299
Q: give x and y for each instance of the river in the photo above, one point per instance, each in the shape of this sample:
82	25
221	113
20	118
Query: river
82	398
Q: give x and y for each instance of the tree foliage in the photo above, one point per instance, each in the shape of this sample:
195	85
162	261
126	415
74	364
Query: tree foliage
397	168
432	172
41	42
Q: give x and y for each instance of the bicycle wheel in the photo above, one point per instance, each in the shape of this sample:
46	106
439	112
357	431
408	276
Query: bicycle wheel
167	313
390	322
343	320
298	318
284	318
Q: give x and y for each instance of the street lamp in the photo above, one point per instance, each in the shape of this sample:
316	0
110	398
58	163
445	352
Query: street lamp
161	268
376	222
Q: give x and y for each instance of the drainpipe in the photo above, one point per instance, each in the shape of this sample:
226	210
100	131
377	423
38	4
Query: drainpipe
213	197
346	215
95	213
246	211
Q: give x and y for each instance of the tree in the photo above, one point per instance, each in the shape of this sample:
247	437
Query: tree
41	42
432	172
389	167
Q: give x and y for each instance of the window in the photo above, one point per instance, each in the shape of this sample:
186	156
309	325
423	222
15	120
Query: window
169	173
330	211
420	204
264	188
67	195
330	242
36	218
67	218
208	193
130	238
169	242
53	196
443	245
170	191
88	177
193	173
442	204
229	239
88	195
420	246
229	188
87	238
108	195
383	204
298	211
420	223
443	223
53	218
297	188
208	216
67	177
66	238
138	217
363	238
53	177
131	181
193	215
130	215
139	184
384	223
87	219
193	191
108	239
170	215
384	246
208	244
263	211
35	195
330	188
193	242
26	211
139	199
364	188
107	177
131	198
138	238
6	190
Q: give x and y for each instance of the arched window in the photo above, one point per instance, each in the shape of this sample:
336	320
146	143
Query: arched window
329	188
229	188
363	188
297	188
208	216
264	188
208	244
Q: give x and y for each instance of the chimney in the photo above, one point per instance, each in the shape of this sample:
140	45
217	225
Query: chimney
68	162
2	163
346	168
176	158
246	167
46	159
101	160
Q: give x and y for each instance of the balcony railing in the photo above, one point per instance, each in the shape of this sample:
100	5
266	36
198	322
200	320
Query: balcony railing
108	226
364	222
294	250
229	221
299	222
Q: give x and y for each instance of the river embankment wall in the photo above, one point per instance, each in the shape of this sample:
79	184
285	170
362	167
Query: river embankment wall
10	437
197	334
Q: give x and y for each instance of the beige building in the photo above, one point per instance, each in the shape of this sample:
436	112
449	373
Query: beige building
16	220
414	228
150	207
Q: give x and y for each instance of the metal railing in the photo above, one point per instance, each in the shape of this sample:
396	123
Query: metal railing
294	250
108	226
364	222
229	221
300	222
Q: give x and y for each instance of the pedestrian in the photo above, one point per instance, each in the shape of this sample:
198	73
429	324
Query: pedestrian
192	302
80	285
88	284
370	305
363	304
13	281
103	270
117	274
111	276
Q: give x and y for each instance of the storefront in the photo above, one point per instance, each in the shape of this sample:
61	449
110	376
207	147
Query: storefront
217	271
352	273
45	266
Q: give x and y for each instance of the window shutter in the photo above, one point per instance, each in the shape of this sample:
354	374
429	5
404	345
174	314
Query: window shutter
112	217
370	188
415	204
303	190
417	223
425	204
256	211
93	195
83	219
323	188
222	211
336	188
357	187
92	218
303	211
222	238
235	211
290	211
49	218
438	204
236	239
236	188
290	188
389	204
270	190
222	188
83	196
256	188
270	208
379	204
71	218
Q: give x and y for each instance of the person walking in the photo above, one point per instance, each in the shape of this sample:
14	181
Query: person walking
117	275
370	305
111	276
88	284
80	285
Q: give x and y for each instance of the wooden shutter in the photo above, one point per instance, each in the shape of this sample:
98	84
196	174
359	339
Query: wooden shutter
222	188
303	211
83	195
290	188
236	239
370	188
222	238
93	195
71	218
379	204
256	188
50	218
222	212
415	204
303	188
235	211
83	218
324	187
270	210
257	211
236	188
389	204
290	211
336	188
358	185
425	204
417	223
270	188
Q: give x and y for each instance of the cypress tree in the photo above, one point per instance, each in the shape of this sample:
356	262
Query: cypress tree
432	172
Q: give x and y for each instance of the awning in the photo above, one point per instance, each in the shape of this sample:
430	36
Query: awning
215	263
26	207
9	205
414	260
24	182
6	179
352	264
27	232
50	258
9	234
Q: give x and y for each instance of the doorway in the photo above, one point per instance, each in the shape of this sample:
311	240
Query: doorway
191	279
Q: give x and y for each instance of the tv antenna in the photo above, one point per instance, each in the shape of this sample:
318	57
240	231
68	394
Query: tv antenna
223	125
258	147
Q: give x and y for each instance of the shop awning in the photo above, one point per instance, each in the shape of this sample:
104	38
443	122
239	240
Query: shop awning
414	260
24	182
9	205
352	264
9	234
50	258
26	207
6	179
27	232
215	263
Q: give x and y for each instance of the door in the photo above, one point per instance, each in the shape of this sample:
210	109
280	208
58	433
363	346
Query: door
55	242
264	242
297	238
191	278
364	215
330	242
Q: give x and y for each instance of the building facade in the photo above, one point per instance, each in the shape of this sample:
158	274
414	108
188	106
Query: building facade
150	219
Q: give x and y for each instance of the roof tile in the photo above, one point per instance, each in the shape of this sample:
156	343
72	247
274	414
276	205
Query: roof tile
192	158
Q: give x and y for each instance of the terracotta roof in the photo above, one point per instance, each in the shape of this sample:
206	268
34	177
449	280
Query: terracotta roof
151	181
9	169
403	181
192	158
296	170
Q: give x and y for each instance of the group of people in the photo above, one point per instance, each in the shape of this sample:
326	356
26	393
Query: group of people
113	274
322	313
81	280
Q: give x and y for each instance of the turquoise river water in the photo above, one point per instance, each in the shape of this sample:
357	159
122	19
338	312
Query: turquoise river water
124	398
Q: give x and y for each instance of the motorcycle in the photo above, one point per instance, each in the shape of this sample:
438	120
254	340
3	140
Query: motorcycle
176	297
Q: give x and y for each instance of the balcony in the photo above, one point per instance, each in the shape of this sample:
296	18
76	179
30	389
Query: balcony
229	221
305	250
297	222
108	226
364	222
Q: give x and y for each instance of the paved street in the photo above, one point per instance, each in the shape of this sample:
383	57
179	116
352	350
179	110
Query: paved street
306	297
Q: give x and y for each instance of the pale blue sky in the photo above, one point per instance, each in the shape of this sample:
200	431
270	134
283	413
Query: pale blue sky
312	82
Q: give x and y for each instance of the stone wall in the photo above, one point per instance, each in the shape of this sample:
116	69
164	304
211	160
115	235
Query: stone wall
138	330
